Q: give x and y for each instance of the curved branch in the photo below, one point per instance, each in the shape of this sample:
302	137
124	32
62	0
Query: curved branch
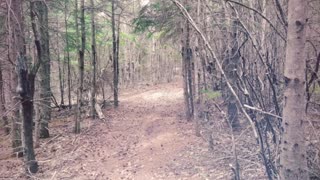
281	13
259	13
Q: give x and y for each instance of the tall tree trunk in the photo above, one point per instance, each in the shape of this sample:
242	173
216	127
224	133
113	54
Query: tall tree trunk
187	68
26	91
80	65
293	155
41	11
115	52
197	75
3	109
231	65
61	73
67	48
16	42
94	56
26	83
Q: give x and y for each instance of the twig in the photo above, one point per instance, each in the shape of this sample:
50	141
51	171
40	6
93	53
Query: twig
282	14
51	140
259	13
261	111
54	175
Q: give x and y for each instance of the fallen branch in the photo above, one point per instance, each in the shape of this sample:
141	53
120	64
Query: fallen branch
44	145
99	112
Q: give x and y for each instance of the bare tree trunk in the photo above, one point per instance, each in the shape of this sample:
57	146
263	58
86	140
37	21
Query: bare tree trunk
187	76
67	50
197	79
37	124
3	109
61	75
80	66
26	85
94	56
41	12
26	91
115	57
16	118
16	42
231	65
293	157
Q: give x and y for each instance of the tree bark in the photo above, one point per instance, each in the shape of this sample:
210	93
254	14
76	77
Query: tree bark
26	91
61	73
94	59
231	65
293	155
41	13
187	76
115	57
16	42
80	66
3	109
67	49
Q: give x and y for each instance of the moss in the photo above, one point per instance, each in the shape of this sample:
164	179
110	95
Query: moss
317	89
210	94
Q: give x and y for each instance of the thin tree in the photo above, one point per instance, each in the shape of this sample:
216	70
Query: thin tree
3	108
293	155
186	67
41	11
61	70
94	59
16	41
80	64
67	47
231	64
115	55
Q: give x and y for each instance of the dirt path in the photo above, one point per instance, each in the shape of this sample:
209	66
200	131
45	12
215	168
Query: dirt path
145	134
145	138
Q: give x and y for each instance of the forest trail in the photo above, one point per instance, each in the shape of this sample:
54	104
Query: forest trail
147	138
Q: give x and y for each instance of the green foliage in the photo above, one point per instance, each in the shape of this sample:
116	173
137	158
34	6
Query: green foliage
147	17
143	23
126	36
158	16
74	62
317	89
2	24
210	94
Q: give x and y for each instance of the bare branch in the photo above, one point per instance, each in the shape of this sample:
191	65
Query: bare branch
212	53
259	13
261	111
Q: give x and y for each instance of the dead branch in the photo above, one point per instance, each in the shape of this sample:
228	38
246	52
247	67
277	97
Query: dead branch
212	53
261	111
260	14
99	111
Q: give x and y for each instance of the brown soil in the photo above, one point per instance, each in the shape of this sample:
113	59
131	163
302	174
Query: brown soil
146	138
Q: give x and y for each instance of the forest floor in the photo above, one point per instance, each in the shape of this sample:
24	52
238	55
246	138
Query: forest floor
146	138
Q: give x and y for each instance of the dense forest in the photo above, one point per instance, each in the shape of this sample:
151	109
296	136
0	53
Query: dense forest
160	89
